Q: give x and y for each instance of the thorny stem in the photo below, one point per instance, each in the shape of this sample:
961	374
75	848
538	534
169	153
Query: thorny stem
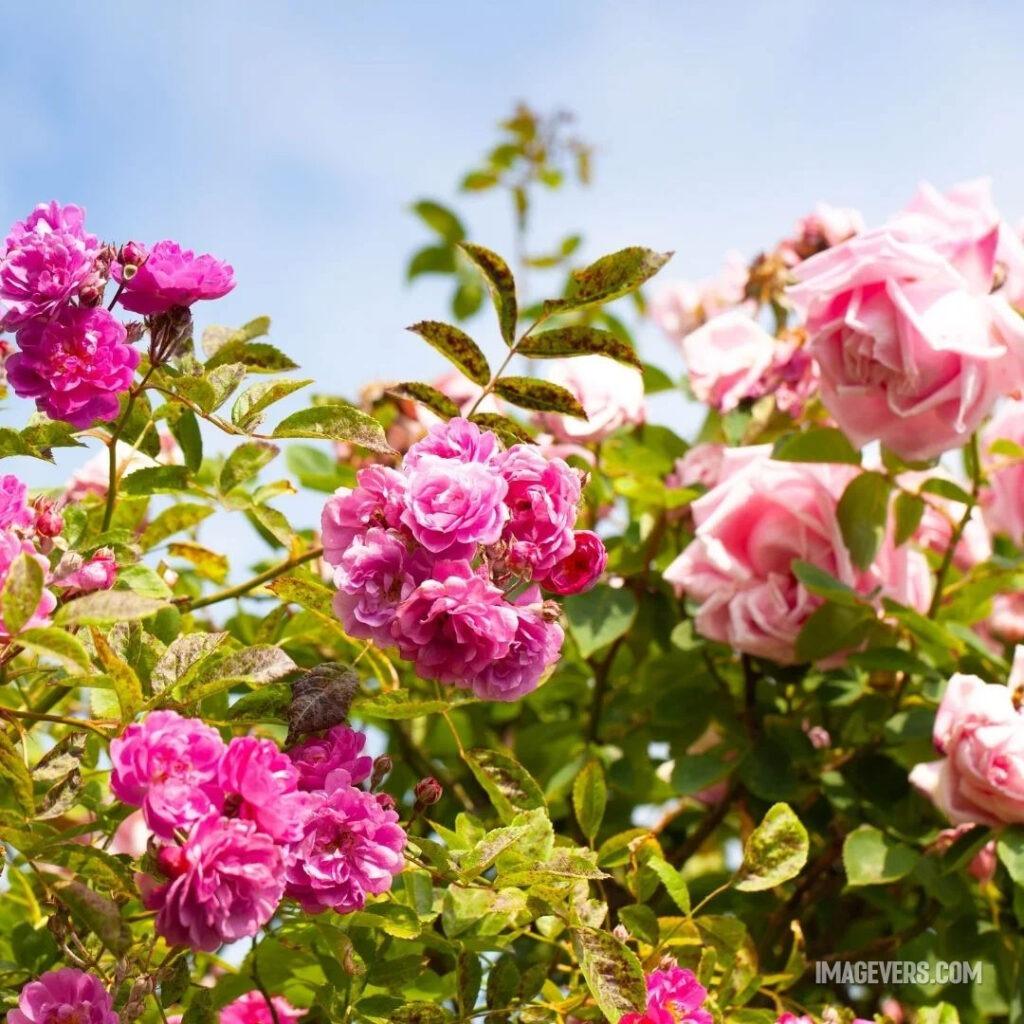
243	588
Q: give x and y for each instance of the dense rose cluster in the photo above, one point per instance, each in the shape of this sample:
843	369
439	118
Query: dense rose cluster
74	357
240	825
446	558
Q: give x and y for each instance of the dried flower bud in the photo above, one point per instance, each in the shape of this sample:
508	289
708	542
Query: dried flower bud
134	329
427	792
168	333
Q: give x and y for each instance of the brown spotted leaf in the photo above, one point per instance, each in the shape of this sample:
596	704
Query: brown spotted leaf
321	698
98	914
507	429
613	974
426	395
457	346
509	785
610	277
579	340
335	423
540	395
502	285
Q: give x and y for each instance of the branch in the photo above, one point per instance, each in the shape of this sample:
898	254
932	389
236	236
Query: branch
192	604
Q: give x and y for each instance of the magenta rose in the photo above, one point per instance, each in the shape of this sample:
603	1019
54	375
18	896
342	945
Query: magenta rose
75	366
612	396
332	760
543	495
534	649
763	516
980	734
224	884
911	351
1003	498
674	996
454	625
458	440
377	500
252	1008
67	996
260	784
11	546
46	259
168	766
172	276
581	568
84	575
14	510
452	507
352	847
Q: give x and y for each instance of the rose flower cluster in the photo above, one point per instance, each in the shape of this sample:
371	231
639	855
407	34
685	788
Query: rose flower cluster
238	826
73	356
446	558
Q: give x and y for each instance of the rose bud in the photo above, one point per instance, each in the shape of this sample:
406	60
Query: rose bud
580	569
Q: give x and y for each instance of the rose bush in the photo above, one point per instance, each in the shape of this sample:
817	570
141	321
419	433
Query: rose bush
554	715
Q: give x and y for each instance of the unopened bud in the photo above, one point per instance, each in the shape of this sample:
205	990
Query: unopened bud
48	520
131	256
381	770
90	291
386	800
427	792
171	861
621	932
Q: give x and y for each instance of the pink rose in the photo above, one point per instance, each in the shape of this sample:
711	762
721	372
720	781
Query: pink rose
1006	623
260	784
762	517
336	758
980	734
823	227
377	500
534	649
452	507
225	884
983	863
1003	498
11	546
352	846
683	306
66	996
911	351
543	495
454	625
75	366
612	395
252	1008
727	358
458	440
84	575
674	996
172	276
581	568
702	464
167	765
14	510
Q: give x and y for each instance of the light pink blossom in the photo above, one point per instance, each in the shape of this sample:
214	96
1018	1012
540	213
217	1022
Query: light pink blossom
683	306
252	1008
377	500
612	396
1003	498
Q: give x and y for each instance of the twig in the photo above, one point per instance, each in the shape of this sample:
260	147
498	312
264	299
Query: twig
190	604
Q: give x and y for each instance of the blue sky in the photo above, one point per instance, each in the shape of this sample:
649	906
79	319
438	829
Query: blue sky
290	138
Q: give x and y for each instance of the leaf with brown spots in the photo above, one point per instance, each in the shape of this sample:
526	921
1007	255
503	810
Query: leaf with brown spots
321	698
614	975
507	429
426	395
609	278
457	346
579	340
540	395
502	285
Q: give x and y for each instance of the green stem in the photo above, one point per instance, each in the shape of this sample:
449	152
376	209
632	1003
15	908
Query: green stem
115	434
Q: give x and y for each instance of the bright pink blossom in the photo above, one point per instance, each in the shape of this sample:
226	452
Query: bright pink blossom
452	507
260	784
97	572
252	1008
168	766
674	996
67	996
352	847
172	276
612	396
534	649
458	440
543	495
11	546
14	510
377	500
224	884
332	760
75	366
454	625
45	260
581	568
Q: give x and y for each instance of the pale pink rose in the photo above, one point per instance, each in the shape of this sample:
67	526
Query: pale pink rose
983	863
763	516
823	227
911	352
132	836
612	395
980	732
1006	623
683	306
1003	498
700	465
92	477
941	517
252	1008
727	359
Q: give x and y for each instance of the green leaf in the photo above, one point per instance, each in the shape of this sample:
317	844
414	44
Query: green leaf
22	592
940	1013
321	698
862	512
440	219
540	395
245	462
502	285
825	585
144	580
185	429
431	259
304	591
200	1009
507	429
256	357
509	785
1010	848
457	346
599	617
335	423
675	884
426	395
946	489
251	666
250	404
106	607
693	772
871	858
397	705
208	564
612	972
184	655
908	510
775	851
55	643
98	914
610	277
16	777
590	797
820	444
579	340
180	516
155	480
126	683
832	628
